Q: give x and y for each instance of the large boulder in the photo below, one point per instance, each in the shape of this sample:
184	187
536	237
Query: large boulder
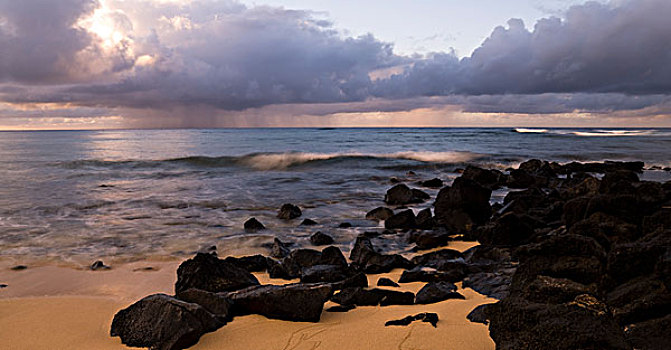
291	302
462	206
584	323
508	230
162	322
319	238
209	273
487	178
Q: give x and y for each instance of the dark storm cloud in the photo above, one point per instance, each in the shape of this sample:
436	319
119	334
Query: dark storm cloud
596	48
222	55
38	40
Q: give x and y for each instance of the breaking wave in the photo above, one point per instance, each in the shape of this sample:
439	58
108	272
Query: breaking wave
594	132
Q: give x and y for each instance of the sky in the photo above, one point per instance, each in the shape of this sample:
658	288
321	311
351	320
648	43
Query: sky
96	64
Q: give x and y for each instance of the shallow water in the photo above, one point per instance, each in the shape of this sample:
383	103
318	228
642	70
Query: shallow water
132	194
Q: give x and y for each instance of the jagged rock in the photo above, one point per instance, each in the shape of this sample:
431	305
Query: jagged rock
332	256
425	219
605	229
209	273
162	322
479	314
252	263
366	258
640	299
386	282
462	206
619	181
433	183
379	214
545	289
434	292
401	220
253	225
308	222
291	302
362	251
289	211
427	317
362	297
319	238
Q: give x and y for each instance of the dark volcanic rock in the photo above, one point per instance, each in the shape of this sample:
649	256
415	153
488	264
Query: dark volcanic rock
386	282
399	195
308	222
362	251
584	323
424	219
3	285
207	272
319	238
640	299
492	284
419	195
429	239
99	265
164	323
252	263
379	213
545	289
490	179
366	258
433	183
333	256
341	308
323	273
479	314
344	225
253	225
427	317
279	249
462	206
428	274
508	230
289	211
292	302
436	292
401	220
19	267
362	297
437	259
216	304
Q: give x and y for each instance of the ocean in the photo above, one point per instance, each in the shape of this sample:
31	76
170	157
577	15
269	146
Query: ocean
74	196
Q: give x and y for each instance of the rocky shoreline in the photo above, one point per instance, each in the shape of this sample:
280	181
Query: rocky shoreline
578	255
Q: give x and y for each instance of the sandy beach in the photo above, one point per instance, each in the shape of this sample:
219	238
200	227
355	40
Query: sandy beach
53	307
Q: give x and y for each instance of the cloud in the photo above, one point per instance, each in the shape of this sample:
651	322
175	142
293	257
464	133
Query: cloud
620	47
153	58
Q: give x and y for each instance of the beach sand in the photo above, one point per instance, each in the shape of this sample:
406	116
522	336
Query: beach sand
51	307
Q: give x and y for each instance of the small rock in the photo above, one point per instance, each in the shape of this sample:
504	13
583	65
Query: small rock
437	291
252	263
253	225
427	317
19	267
386	282
399	195
362	297
319	238
345	225
402	220
433	183
3	285
147	268
379	214
99	265
308	222
279	249
289	211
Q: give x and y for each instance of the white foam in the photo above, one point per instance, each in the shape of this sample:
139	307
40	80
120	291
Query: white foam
536	131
